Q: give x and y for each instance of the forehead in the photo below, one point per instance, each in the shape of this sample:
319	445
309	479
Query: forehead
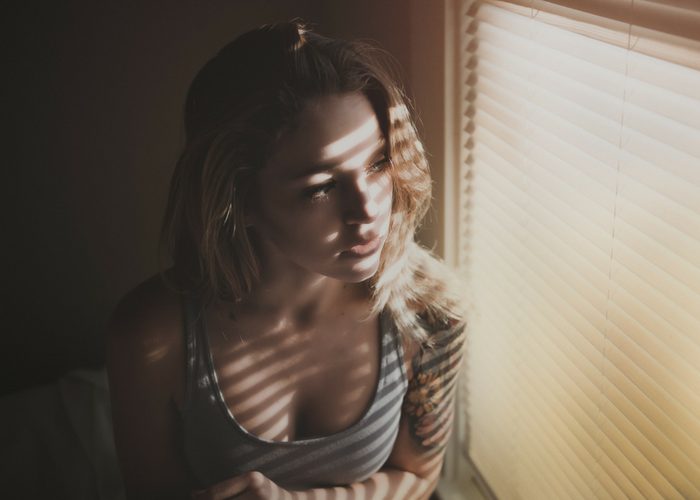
329	130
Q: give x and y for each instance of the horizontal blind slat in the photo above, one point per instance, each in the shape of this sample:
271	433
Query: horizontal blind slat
582	146
686	436
573	226
591	462
661	32
633	272
587	325
490	125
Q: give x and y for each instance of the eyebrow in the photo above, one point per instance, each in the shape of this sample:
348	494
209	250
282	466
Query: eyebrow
323	167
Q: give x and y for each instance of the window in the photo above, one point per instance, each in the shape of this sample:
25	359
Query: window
577	229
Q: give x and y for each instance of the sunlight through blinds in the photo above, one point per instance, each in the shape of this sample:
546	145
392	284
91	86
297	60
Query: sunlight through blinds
580	240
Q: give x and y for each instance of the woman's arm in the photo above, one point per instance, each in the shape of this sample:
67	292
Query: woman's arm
413	468
145	365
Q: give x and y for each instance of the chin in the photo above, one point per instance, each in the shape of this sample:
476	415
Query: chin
359	278
359	271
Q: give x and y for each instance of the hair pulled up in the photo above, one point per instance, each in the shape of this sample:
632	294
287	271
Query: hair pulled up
237	106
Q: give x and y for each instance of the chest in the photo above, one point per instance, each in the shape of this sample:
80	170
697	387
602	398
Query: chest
290	385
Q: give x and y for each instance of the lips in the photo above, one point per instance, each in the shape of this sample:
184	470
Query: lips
364	248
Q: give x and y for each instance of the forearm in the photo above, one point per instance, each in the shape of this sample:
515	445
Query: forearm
388	483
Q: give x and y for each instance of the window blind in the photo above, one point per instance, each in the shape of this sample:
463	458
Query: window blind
579	238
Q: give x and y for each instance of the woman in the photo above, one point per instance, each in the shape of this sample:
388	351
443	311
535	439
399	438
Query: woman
302	345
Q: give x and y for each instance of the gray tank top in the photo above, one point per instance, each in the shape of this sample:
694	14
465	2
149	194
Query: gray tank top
216	447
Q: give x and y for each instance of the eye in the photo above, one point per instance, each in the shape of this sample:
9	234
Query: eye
319	192
380	164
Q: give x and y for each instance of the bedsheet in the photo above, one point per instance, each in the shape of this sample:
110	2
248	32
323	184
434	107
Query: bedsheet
56	441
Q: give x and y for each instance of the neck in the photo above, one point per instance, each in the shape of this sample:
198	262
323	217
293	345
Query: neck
283	297
289	294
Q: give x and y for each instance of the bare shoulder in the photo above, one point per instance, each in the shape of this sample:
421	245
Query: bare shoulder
151	309
146	365
445	336
145	334
448	334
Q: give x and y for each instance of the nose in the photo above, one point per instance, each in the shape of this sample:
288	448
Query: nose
359	205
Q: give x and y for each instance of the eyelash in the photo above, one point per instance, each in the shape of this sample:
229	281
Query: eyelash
320	192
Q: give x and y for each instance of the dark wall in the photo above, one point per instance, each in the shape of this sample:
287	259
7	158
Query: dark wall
95	100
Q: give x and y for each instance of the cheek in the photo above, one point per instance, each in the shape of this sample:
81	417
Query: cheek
383	197
386	192
294	224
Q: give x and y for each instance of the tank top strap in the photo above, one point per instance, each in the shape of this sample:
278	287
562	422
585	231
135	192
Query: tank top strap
389	330
192	313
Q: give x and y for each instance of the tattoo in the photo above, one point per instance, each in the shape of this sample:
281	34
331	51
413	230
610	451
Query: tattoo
428	402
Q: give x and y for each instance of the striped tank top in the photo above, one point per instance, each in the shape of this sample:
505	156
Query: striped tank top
217	447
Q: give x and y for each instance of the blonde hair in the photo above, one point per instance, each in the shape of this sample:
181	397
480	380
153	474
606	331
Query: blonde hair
237	106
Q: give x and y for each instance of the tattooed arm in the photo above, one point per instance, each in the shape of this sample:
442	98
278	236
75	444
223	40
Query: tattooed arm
428	404
428	407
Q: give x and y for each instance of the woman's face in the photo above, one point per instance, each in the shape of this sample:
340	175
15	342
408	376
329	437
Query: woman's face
324	198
